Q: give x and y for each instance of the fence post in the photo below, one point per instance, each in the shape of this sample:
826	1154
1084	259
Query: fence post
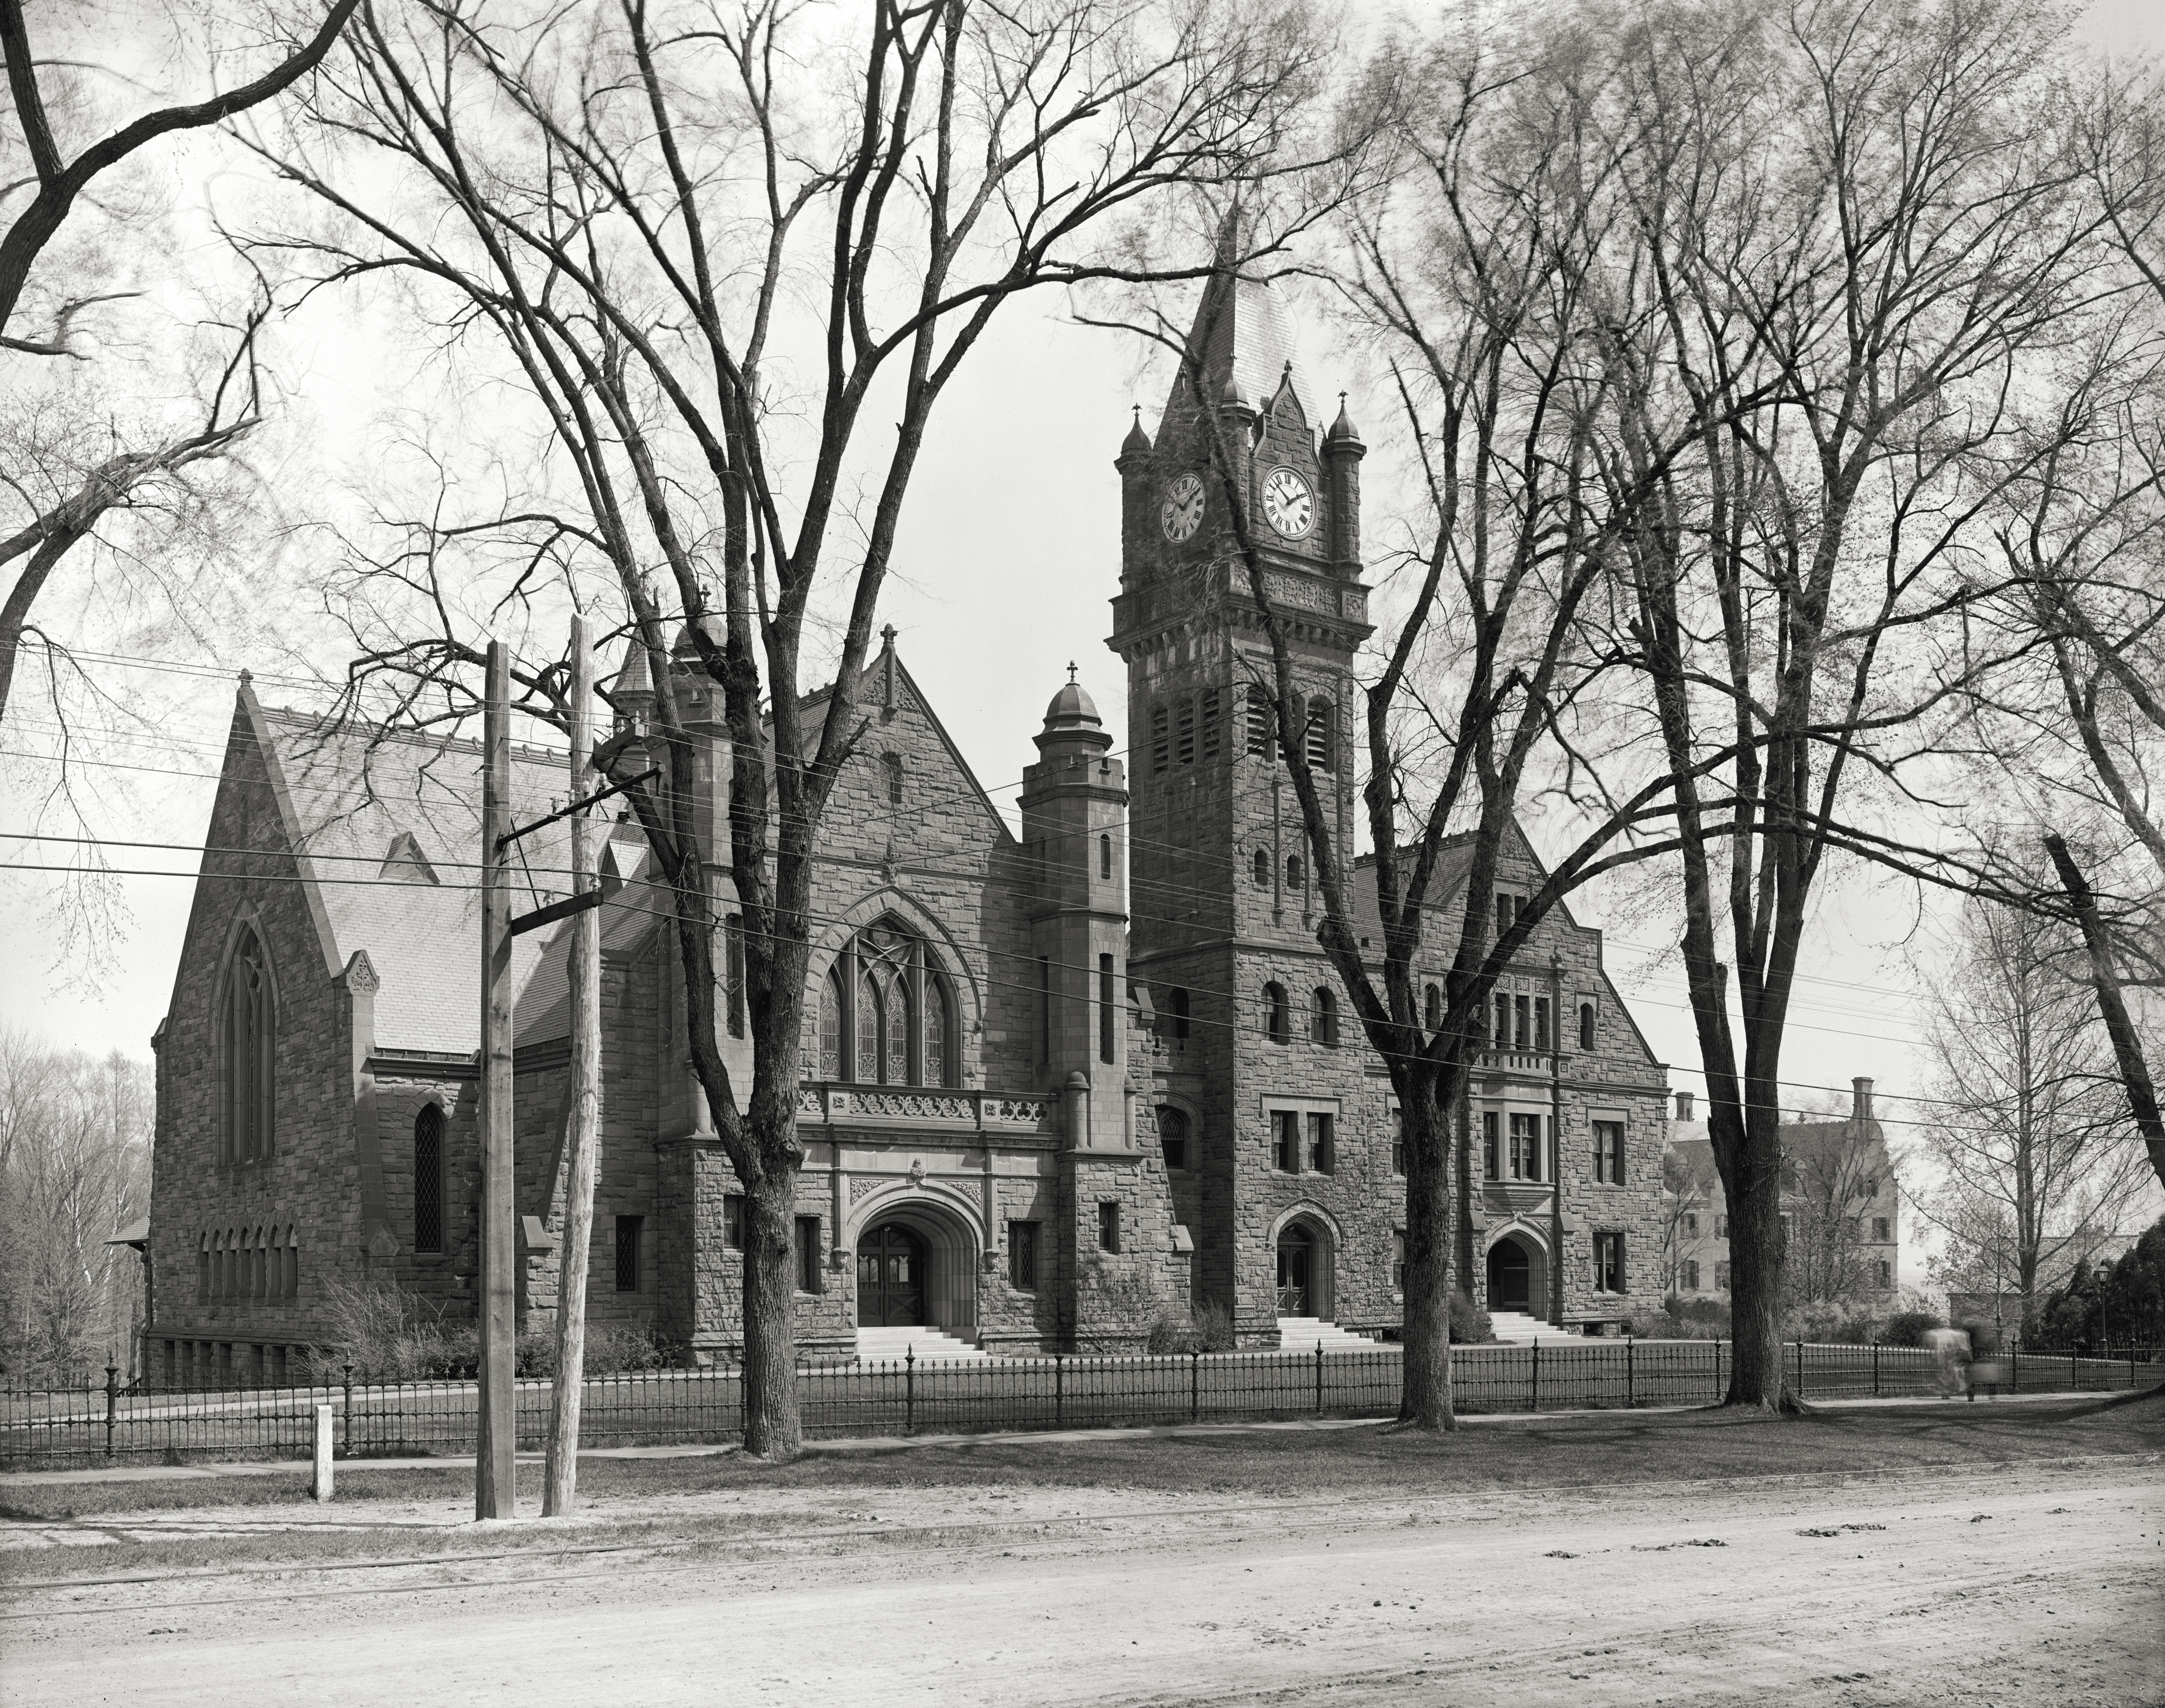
909	1389
1195	1385
348	1411
1718	1389
1059	1392
1800	1369
1631	1371
1318	1375
1535	1405
2015	1366
1875	1370
112	1406
322	1489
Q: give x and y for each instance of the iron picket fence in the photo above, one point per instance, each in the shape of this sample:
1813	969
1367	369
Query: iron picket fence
90	1423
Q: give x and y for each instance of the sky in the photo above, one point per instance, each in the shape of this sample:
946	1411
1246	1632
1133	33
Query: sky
1007	560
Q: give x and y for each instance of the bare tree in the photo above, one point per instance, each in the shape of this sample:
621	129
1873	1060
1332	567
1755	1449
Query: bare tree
69	476
1688	1188
1851	233
1496	683
75	1169
702	242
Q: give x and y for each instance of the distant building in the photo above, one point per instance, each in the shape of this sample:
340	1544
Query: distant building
1838	1208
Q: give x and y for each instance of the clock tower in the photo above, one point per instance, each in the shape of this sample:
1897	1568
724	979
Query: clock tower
1222	897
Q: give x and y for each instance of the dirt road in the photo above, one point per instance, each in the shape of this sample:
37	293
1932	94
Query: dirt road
2039	1585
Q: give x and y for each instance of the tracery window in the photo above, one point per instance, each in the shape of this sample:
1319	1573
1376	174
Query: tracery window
428	1180
887	1000
250	1028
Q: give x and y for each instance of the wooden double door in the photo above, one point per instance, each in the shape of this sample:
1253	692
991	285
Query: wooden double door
890	1278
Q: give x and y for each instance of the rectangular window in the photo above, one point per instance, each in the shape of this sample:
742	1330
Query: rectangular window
1691	1275
1609	1262
1886	1272
428	1180
1519	1026
1492	1149
807	1254
1044	1009
1258	718
1022	1254
1174	1147
1721	1277
1541	1023
1503	1022
1397	1142
1721	1231
1879	1227
733	1220
1399	1259
1108	1226
1322	1143
1608	1152
1161	738
1691	1223
1525	1147
1106	1010
733	973
1184	752
1286	1130
1208	717
627	1231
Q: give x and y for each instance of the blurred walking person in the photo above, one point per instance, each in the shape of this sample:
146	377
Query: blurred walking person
1950	1351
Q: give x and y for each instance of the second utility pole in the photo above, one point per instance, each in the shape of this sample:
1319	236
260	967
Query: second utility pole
494	1485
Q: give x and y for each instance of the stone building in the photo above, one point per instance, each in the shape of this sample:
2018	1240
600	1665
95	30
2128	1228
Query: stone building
1058	1083
1839	1209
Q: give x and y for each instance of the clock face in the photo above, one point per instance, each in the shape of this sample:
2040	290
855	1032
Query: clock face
1183	508
1288	505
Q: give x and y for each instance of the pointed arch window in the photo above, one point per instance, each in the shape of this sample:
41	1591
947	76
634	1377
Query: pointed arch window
1432	1008
428	1180
250	1024
1277	1020
889	998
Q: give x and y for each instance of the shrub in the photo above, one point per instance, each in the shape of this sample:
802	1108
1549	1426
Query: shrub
1469	1322
1908	1328
1207	1328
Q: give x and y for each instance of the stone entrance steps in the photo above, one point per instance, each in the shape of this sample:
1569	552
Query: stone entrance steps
1304	1334
924	1343
1518	1329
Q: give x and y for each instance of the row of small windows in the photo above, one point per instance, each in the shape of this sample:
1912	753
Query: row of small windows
1191	728
1296	870
1883	1227
248	1263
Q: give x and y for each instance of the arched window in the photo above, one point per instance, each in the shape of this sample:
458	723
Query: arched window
292	1263
831	1029
936	1031
228	1280
1322	1017
1104	857
1292	871
1257	719
202	1269
428	1180
1262	868
1175	1006
1432	1007
1172	1137
1322	734
1278	1022
899	1018
894	765
249	1025
258	1266
1586	1025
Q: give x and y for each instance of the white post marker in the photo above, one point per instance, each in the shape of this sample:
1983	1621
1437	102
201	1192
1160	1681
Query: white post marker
323	1439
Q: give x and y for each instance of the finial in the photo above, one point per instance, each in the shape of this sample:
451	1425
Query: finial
887	634
1071	672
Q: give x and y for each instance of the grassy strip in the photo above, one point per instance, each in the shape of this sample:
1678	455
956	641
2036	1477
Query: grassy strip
1607	1451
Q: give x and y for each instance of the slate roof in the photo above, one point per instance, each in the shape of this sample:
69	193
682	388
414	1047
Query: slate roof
349	792
1242	331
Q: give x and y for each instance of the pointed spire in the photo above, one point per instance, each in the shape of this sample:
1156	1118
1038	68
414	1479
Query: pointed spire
634	681
1342	430
1242	340
1137	440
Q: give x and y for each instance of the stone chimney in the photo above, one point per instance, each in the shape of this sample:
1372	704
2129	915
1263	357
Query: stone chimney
1683	1105
1860	1100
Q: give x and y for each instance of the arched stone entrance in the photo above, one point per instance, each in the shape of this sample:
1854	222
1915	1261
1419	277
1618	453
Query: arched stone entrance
1305	1270
917	1263
1517	1272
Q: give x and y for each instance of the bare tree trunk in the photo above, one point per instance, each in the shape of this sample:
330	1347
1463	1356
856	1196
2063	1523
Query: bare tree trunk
2126	1046
584	1116
773	1430
1425	1400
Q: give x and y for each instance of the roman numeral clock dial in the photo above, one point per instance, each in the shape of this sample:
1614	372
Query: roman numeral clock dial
1183	513
1288	505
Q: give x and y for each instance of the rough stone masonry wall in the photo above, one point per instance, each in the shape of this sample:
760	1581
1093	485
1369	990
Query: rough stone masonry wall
309	1183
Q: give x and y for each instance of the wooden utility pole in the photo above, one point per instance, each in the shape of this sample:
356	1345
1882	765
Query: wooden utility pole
583	1139
494	1488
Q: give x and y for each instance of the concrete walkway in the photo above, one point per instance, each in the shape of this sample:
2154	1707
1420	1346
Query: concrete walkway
888	1444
